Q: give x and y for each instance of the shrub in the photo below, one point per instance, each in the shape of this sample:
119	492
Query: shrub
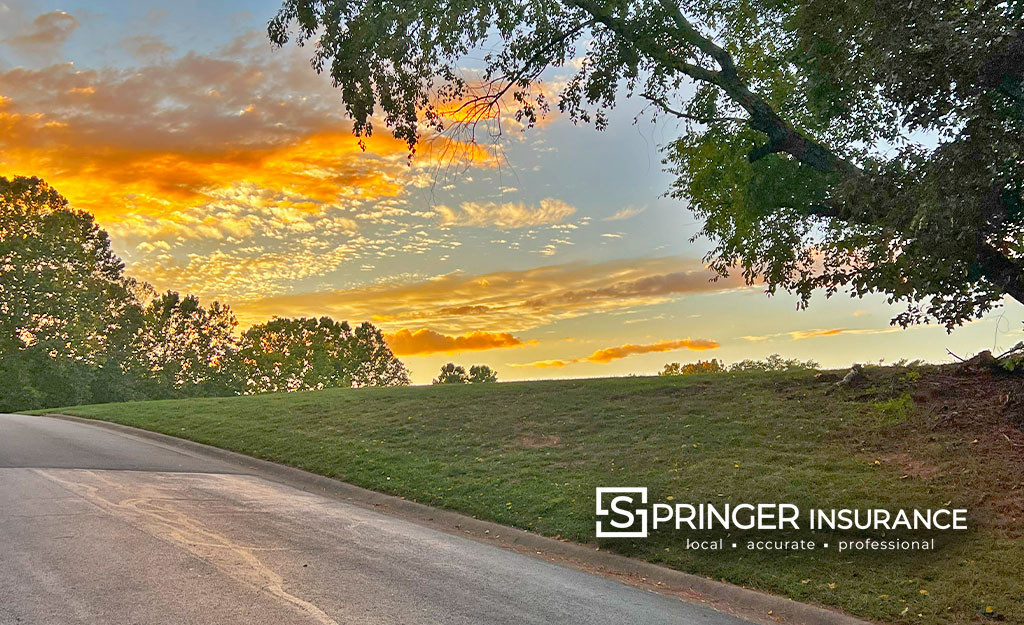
701	366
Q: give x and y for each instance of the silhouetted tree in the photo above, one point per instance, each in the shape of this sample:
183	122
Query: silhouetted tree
481	374
452	374
376	364
701	366
455	374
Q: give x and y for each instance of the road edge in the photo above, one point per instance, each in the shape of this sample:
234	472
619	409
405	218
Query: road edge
752	605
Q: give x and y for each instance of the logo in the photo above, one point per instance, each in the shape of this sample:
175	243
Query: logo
621	511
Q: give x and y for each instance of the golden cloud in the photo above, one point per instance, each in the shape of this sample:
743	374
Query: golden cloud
504	301
810	334
799	335
505	216
609	354
235	168
407	343
160	140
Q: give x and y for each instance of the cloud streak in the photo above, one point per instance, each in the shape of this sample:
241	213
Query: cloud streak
504	301
624	213
604	356
800	335
421	342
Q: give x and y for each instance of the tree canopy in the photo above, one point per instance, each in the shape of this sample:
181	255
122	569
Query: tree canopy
452	374
74	328
307	353
456	374
63	297
861	146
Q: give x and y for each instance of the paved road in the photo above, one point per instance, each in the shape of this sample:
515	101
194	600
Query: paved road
102	528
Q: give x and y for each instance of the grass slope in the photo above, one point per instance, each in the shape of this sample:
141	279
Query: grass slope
531	454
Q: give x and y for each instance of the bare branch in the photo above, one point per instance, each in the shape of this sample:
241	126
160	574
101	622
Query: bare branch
663	105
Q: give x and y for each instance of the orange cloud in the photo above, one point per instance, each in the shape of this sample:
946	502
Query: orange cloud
231	175
799	335
494	104
548	364
163	139
406	343
810	334
609	354
503	301
614	353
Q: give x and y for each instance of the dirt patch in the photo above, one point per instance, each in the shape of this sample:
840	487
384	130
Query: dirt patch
912	467
538	442
966	437
969	399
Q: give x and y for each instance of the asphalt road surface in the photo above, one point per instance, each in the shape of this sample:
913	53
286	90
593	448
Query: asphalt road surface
103	528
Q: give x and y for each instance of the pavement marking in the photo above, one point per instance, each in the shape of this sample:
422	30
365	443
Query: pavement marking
151	509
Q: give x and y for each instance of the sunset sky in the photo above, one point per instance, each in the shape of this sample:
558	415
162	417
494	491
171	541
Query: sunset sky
224	168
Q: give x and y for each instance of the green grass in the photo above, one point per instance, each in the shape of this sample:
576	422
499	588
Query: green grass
531	454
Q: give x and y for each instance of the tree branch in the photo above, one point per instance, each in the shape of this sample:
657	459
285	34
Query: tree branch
1001	271
663	105
782	137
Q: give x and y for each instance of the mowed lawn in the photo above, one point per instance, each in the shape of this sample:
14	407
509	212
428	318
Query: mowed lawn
530	455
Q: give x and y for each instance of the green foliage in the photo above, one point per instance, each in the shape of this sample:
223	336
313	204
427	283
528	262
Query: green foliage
1012	363
774	362
912	375
375	364
798	120
65	302
894	411
307	353
185	349
74	329
701	366
482	374
455	374
452	374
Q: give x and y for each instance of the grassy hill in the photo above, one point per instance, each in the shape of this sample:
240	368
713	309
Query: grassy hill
531	454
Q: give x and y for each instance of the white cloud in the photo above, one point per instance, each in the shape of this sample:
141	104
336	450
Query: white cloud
626	213
506	215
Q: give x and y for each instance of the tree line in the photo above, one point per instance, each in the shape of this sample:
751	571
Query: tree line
74	328
775	362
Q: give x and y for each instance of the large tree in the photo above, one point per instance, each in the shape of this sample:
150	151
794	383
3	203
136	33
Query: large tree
859	145
308	353
66	307
184	348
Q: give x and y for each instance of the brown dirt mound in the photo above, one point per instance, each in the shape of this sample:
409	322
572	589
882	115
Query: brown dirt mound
968	431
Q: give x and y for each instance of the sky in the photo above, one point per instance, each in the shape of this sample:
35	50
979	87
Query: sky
225	168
